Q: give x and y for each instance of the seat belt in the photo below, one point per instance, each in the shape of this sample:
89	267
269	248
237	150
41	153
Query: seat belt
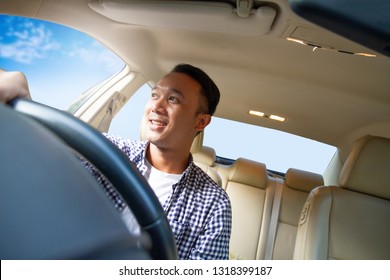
269	249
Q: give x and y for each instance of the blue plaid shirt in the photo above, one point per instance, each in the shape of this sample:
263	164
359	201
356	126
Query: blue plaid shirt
198	210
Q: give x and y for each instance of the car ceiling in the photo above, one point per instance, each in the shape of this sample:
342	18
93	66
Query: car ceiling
324	92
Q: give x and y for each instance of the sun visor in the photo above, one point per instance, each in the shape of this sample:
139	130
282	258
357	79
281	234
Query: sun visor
189	15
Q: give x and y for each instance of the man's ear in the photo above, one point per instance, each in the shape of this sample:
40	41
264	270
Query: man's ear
202	120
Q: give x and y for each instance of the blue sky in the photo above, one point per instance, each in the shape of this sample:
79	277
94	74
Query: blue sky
47	54
61	63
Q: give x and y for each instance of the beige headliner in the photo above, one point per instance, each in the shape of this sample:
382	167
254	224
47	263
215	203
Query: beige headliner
325	95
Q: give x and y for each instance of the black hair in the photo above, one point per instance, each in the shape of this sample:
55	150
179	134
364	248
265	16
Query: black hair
208	88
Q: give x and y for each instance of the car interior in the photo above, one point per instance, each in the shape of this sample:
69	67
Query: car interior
316	69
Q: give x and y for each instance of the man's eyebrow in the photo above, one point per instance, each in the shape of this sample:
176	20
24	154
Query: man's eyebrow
170	90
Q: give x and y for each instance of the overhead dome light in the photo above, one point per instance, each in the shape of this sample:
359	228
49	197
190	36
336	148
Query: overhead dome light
256	113
190	15
263	115
277	118
316	46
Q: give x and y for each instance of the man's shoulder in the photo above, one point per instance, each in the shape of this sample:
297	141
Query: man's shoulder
130	147
207	184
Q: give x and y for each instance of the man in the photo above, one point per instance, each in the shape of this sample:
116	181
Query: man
180	107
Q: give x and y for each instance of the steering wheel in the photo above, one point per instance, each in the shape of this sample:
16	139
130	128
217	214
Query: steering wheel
114	165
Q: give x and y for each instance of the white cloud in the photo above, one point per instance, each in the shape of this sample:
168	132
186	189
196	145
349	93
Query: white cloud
94	53
24	40
27	42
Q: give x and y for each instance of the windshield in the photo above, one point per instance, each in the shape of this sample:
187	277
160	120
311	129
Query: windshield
60	63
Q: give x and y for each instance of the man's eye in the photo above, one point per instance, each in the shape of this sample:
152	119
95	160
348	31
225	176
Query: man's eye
173	99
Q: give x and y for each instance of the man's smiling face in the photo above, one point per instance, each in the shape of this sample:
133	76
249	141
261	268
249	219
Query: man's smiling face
172	116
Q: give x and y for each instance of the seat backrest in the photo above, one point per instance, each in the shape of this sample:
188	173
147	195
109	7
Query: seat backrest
297	186
352	220
251	199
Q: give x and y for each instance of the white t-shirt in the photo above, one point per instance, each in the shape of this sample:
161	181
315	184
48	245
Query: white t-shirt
161	183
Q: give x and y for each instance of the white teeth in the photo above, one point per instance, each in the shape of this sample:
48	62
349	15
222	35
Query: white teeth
158	123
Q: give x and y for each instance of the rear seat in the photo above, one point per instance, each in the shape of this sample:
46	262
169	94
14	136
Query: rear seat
252	194
251	198
296	188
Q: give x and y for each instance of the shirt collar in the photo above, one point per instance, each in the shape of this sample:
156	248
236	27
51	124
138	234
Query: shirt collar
188	170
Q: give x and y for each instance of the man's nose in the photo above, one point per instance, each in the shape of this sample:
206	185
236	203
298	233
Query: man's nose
158	105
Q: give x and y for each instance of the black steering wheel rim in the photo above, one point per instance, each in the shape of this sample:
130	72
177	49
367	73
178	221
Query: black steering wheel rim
114	165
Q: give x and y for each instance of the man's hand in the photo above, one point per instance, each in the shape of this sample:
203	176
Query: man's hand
12	85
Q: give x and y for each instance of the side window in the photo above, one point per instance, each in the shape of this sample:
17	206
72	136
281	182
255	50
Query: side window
60	63
127	121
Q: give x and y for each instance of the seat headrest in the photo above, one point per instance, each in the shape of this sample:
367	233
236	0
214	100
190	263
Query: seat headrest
367	168
206	156
303	180
249	172
197	144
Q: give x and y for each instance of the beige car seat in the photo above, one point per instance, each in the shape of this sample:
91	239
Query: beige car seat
251	199
296	188
205	158
350	221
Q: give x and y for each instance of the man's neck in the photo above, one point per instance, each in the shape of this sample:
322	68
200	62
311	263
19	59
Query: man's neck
167	160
